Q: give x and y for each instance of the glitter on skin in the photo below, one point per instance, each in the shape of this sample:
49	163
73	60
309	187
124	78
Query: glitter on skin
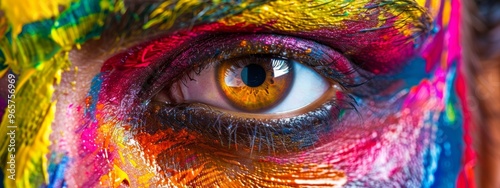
37	76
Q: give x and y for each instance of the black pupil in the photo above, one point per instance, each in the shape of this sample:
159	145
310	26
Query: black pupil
253	75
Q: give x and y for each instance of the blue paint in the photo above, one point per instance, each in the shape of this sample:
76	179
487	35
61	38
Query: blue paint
56	172
93	93
449	141
410	75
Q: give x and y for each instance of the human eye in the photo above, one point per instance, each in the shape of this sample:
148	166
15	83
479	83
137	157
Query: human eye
295	90
238	104
253	84
259	76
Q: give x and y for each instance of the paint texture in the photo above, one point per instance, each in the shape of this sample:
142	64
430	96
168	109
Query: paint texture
403	131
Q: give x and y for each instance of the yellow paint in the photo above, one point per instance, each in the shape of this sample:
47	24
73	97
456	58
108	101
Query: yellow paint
35	85
23	12
306	16
166	16
116	176
2	72
127	164
421	2
434	8
29	159
34	88
66	36
446	13
120	7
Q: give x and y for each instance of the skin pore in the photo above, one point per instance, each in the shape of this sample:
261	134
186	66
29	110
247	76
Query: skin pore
393	121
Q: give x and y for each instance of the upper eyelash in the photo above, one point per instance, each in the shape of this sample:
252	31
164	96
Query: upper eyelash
320	68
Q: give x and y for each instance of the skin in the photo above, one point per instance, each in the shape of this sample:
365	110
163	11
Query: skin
387	143
67	94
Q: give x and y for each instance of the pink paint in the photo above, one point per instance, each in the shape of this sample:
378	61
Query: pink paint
88	136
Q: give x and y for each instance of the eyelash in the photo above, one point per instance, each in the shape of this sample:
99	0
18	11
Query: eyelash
278	134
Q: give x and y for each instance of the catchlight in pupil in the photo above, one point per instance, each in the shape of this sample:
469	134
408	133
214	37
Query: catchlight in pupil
253	75
254	83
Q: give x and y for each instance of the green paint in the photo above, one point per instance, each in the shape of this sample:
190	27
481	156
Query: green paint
36	44
450	113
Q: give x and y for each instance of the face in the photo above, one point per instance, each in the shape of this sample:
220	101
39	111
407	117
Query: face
262	94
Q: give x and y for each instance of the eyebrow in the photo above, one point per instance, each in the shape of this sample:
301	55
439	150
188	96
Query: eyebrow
140	18
159	16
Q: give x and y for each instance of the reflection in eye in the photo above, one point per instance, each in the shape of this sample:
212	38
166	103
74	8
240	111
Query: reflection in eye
255	84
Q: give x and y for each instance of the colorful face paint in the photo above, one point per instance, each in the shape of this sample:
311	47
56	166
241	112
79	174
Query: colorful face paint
387	112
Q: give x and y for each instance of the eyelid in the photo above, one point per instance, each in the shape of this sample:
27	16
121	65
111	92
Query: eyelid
170	62
326	61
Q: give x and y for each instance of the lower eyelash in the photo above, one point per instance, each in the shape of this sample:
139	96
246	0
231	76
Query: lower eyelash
267	136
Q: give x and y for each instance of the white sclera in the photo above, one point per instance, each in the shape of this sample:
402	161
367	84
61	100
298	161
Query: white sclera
307	87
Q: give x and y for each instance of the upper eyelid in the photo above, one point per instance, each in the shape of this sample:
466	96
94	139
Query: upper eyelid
197	34
162	50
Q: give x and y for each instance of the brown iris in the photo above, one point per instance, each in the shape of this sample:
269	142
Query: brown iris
255	83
